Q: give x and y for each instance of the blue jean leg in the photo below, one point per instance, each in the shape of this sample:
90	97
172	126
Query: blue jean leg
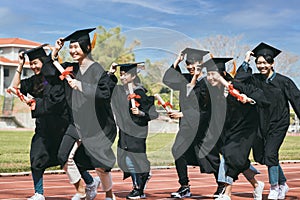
37	176
86	176
282	178
132	171
222	173
273	175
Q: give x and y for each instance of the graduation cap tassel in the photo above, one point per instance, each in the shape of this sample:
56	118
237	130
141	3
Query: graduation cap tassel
233	71
94	40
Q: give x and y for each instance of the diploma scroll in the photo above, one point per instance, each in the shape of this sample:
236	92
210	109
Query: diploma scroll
65	73
22	97
16	92
130	88
166	105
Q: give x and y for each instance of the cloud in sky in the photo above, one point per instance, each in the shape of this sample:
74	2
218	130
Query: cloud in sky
45	21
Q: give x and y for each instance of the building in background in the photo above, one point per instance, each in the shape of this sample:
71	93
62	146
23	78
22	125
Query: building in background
9	48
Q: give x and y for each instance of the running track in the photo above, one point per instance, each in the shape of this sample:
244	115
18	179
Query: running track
162	183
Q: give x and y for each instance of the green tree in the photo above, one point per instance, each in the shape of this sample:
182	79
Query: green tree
110	47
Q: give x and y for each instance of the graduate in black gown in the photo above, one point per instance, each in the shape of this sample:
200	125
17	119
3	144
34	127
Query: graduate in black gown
280	91
194	117
240	127
48	107
92	122
133	109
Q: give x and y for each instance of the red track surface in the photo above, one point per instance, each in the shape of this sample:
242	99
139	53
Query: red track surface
162	183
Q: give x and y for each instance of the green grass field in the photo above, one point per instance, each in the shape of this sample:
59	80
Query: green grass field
14	150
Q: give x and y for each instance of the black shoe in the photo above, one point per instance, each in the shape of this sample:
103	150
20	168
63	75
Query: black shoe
183	191
134	194
220	190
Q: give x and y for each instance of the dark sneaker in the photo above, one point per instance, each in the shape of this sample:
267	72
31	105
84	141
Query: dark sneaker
134	194
183	191
220	190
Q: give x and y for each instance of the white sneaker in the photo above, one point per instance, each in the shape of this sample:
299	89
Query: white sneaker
283	189
257	193
37	196
274	192
91	189
223	197
114	198
78	196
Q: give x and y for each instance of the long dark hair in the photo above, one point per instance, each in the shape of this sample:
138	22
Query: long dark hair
137	79
86	47
39	82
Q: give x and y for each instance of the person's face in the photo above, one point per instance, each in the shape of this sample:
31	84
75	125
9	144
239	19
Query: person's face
126	77
36	65
263	66
192	67
213	78
76	51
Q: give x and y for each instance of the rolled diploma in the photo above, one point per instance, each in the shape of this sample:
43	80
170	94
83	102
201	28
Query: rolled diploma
61	69
130	88
162	102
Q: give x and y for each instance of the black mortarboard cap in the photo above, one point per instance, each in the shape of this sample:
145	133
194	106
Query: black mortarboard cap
216	64
130	66
37	52
264	49
194	55
79	35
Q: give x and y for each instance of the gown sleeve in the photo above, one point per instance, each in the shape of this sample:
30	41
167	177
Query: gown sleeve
293	94
173	78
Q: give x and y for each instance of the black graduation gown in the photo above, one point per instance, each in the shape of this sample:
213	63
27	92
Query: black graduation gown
208	139
133	130
279	91
91	115
51	119
193	126
238	134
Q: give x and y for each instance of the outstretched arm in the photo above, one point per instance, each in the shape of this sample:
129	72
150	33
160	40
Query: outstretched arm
17	77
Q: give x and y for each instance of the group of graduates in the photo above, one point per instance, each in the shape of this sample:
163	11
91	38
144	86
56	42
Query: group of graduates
78	107
228	115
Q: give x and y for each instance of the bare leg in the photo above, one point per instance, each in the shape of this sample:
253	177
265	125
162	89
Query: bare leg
79	186
228	189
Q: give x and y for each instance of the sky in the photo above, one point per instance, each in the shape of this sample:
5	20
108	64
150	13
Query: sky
276	22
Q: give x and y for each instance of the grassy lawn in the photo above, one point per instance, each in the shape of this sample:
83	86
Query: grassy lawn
14	150
15	145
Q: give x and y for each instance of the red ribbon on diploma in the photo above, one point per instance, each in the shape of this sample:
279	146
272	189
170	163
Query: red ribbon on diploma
166	105
25	99
66	72
235	93
16	91
134	96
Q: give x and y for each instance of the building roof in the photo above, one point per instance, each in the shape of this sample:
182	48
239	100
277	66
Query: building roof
6	42
6	61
